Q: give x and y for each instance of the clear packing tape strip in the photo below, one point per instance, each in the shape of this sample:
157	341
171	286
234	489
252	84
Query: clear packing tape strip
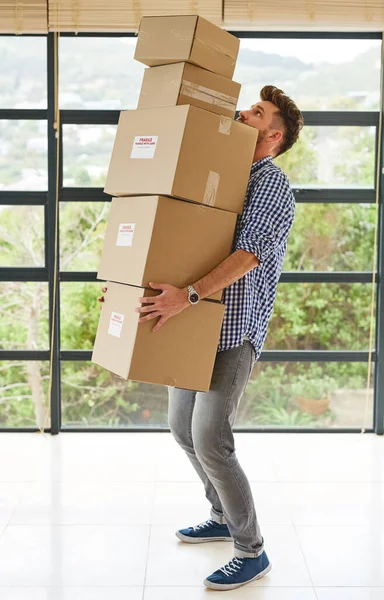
200	92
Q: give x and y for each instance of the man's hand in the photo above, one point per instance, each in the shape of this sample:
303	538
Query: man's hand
170	302
101	298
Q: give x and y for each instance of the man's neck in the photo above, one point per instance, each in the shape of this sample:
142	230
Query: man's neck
259	155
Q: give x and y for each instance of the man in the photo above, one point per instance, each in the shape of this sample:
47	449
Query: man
202	422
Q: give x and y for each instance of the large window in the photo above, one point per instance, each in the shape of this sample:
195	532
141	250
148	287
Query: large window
313	371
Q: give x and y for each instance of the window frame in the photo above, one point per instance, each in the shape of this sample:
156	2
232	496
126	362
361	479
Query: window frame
108	117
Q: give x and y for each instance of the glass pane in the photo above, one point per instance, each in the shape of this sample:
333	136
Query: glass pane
87	151
301	395
94	397
99	73
321	316
24	319
332	157
331	237
308	394
23	72
79	314
23	156
22	236
24	389
82	227
317	74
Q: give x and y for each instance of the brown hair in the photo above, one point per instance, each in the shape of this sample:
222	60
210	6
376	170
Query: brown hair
288	115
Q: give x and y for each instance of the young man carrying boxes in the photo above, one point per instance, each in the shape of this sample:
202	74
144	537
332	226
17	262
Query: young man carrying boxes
202	422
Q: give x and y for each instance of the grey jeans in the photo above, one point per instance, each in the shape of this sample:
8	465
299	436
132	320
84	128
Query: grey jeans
201	423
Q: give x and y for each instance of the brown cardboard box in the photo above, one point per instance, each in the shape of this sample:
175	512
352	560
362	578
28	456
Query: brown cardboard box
182	151
183	83
180	354
163	240
165	40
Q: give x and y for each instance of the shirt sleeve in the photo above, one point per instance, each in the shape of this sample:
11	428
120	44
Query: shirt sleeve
268	216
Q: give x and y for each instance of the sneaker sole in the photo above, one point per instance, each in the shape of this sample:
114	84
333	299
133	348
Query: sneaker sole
191	540
223	586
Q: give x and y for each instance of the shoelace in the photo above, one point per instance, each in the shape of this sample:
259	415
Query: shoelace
233	566
203	525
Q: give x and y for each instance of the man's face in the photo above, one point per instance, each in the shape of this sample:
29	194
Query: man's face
260	116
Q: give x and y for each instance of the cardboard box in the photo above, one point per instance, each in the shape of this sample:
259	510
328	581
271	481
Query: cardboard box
183	83
180	354
182	151
171	39
159	239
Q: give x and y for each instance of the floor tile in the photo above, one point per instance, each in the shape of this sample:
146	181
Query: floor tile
10	496
82	503
348	593
117	458
73	555
186	501
352	457
174	563
73	593
336	503
344	556
244	593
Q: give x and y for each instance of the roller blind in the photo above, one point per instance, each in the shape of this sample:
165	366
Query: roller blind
23	16
340	15
123	15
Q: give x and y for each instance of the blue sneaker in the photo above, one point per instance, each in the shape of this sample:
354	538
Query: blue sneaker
209	531
238	572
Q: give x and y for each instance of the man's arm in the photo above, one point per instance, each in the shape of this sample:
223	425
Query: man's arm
173	300
227	272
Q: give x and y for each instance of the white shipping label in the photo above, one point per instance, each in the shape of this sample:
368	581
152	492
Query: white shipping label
116	324
144	146
125	234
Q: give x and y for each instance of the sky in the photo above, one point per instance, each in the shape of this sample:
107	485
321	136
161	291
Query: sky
313	51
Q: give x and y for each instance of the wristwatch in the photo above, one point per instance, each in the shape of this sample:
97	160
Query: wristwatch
193	296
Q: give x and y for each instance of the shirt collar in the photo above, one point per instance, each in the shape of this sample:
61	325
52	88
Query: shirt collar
260	163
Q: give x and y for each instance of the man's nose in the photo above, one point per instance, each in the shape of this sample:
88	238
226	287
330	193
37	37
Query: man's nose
243	115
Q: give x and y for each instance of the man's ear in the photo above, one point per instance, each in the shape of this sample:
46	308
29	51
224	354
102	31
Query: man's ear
275	136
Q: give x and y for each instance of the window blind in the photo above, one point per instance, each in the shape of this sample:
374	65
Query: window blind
312	15
23	16
123	15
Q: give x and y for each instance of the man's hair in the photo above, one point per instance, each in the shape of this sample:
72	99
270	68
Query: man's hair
288	115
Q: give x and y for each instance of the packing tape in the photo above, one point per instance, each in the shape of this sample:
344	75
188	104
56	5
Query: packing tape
183	35
217	48
211	188
200	92
225	125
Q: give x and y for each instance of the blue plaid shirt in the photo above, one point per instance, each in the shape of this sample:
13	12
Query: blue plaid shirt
263	230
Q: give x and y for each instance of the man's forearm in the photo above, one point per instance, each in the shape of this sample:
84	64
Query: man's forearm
227	272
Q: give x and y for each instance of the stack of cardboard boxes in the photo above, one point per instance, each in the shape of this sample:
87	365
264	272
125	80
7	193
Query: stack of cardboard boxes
179	172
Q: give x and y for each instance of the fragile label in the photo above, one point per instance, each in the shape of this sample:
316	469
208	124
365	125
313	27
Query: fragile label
144	146
125	234
116	324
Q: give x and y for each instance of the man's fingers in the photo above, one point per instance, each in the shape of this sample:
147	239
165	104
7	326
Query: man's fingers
100	299
104	289
151	315
147	300
158	286
145	309
159	324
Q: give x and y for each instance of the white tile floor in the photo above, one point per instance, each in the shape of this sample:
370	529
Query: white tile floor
92	517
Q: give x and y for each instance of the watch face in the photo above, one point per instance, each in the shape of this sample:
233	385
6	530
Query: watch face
194	298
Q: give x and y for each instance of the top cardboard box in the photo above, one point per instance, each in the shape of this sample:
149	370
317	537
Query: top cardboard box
166	40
